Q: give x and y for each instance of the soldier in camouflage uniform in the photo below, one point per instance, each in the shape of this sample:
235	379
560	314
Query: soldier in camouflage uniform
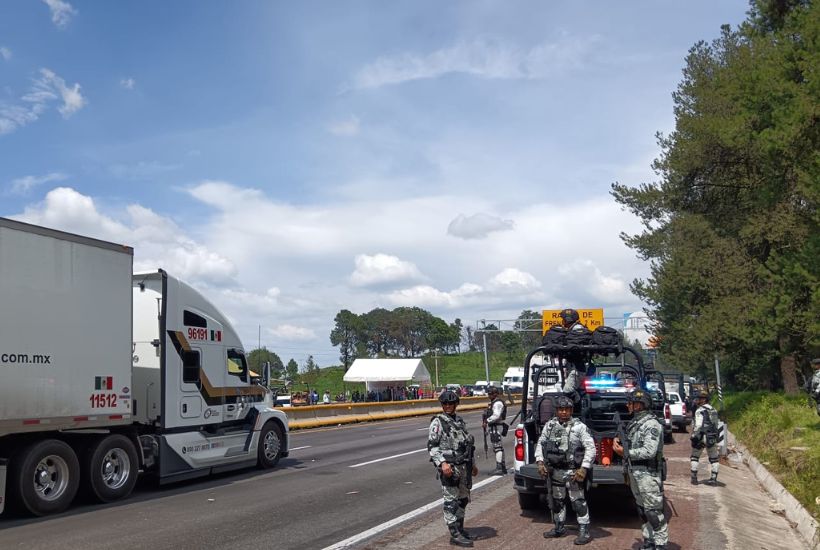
814	389
645	465
451	451
494	418
705	434
565	451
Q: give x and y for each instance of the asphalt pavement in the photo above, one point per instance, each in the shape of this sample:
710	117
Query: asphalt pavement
336	483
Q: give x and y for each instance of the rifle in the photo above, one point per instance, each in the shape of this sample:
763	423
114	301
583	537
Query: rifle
484	417
625	444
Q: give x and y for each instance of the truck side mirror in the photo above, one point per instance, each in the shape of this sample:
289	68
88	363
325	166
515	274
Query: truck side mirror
265	374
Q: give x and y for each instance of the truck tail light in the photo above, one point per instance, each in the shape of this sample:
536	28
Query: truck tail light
604	450
667	413
683	408
519	444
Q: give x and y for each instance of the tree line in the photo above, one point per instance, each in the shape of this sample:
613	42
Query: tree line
731	225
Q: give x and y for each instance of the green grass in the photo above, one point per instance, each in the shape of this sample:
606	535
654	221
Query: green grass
464	368
770	425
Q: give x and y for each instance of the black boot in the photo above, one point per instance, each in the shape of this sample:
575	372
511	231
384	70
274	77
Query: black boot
661	547
712	480
504	468
558	531
694	478
648	545
456	538
500	470
463	531
583	535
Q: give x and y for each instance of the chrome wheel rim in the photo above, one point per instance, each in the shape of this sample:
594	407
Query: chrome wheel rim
51	477
271	445
115	468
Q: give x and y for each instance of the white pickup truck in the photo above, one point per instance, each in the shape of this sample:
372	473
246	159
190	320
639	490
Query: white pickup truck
680	418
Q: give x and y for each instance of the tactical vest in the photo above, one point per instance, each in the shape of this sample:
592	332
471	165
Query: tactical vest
456	444
655	463
489	412
556	448
710	419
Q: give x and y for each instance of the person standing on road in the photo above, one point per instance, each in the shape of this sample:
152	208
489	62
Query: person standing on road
645	465
494	418
557	454
705	433
814	389
451	450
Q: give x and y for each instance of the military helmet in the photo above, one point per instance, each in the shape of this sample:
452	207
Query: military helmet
492	390
448	396
563	402
640	396
569	316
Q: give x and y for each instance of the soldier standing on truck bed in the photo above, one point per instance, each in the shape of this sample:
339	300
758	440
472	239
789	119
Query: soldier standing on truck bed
571	321
495	415
645	466
705	433
565	452
451	450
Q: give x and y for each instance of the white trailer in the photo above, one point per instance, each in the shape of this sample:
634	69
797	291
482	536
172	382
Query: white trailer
104	374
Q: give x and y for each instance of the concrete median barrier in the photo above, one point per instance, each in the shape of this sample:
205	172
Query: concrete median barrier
315	416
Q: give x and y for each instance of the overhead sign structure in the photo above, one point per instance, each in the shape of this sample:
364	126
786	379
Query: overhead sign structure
590	318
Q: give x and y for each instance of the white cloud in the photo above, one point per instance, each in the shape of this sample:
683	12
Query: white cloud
512	280
23	185
128	83
382	268
586	275
347	128
61	12
485	58
477	226
45	90
5	53
292	333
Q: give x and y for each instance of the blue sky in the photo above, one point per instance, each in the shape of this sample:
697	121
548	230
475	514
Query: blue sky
294	159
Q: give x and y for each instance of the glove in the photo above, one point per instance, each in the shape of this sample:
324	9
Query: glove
542	469
580	475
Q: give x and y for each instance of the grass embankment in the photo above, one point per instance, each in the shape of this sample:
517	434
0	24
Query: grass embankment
464	368
783	432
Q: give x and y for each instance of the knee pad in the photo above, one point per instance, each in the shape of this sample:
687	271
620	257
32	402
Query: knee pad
655	518
451	506
715	460
580	507
694	459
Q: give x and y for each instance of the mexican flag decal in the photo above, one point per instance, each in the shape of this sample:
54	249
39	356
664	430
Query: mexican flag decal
216	336
103	382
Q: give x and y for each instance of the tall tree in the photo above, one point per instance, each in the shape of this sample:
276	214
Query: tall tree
346	334
731	228
529	323
258	357
292	370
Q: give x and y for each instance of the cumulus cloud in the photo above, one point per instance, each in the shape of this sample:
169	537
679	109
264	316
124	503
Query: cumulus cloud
61	12
5	53
292	333
477	226
128	83
380	269
512	280
585	275
46	89
21	186
347	128
485	58
157	241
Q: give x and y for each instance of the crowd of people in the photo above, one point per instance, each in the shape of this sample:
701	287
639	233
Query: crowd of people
390	393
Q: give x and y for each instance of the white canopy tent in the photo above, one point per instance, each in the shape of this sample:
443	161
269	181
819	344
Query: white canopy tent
378	374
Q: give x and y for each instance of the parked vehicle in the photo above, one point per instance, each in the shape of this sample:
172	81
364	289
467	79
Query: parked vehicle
680	418
513	380
104	373
480	386
601	404
283	401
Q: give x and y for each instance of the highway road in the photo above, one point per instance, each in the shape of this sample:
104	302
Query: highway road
341	482
337	482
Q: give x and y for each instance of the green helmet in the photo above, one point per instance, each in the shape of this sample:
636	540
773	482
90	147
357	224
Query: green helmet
640	396
564	402
448	396
492	390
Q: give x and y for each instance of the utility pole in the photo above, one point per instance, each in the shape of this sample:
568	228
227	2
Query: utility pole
486	359
435	356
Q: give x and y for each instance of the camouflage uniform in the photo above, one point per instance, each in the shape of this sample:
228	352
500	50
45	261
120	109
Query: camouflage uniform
496	413
705	434
645	435
448	441
815	388
570	438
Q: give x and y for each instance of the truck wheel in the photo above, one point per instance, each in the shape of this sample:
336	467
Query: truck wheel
270	445
45	477
110	468
529	501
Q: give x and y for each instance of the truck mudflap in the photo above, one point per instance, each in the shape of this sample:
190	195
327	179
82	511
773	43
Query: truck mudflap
607	475
3	466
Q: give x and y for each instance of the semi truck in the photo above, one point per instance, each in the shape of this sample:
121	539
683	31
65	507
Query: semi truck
106	374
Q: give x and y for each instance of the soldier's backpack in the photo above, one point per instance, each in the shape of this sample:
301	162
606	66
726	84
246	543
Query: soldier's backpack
579	335
606	336
555	336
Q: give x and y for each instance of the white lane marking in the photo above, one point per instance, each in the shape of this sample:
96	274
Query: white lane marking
388	458
347	543
302	447
420	429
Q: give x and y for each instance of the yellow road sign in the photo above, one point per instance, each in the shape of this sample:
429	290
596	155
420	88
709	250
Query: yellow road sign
590	318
